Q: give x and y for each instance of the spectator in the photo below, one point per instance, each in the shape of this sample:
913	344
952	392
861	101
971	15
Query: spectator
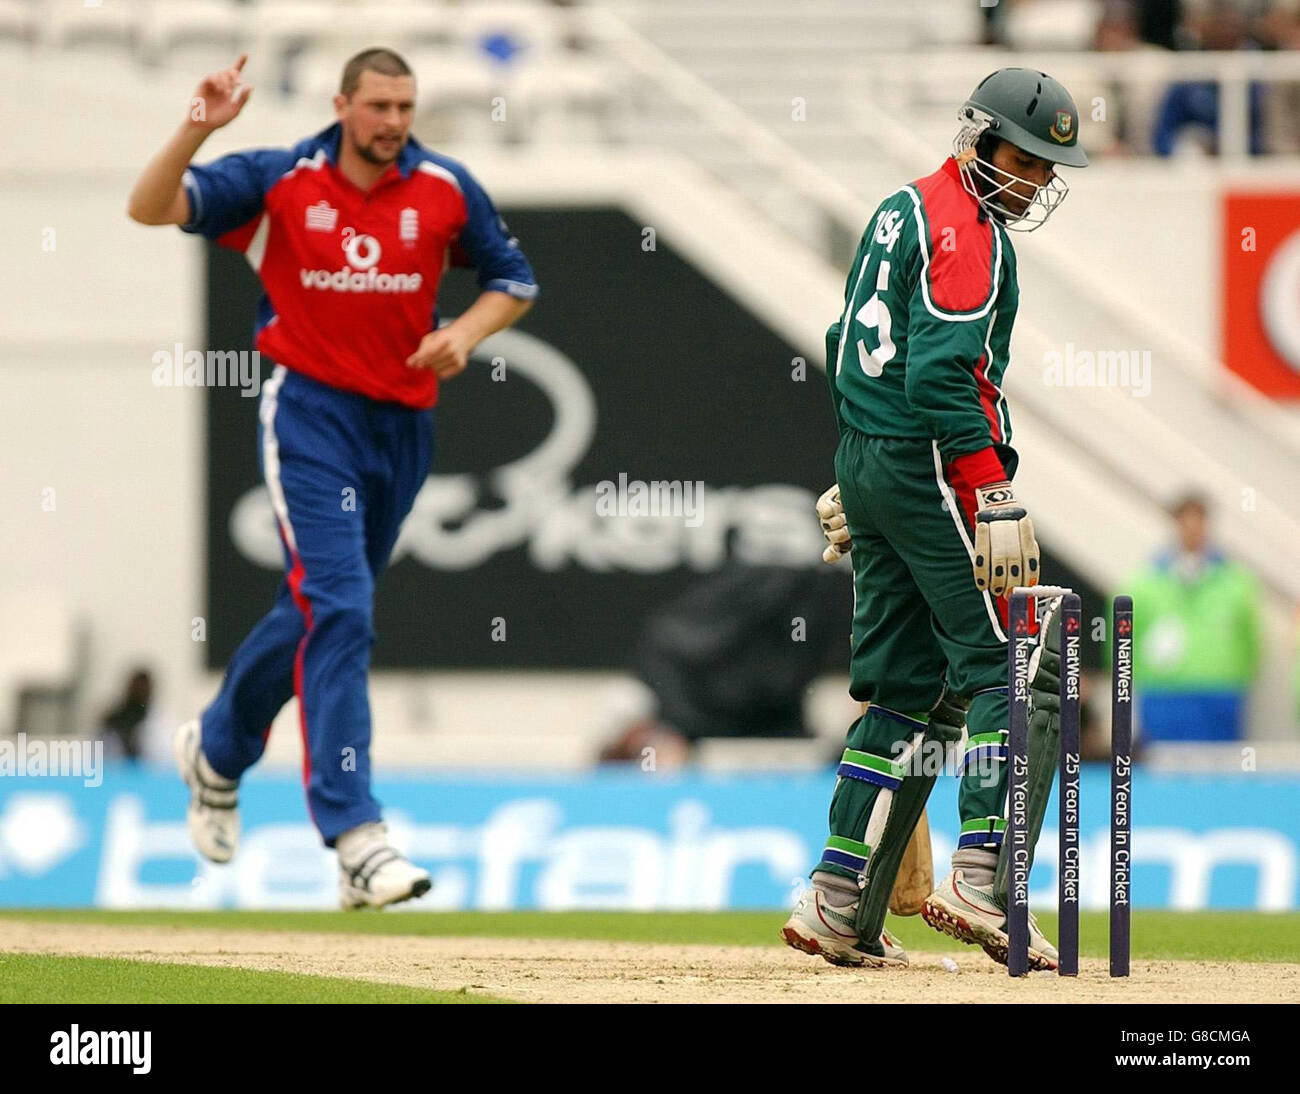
1197	653
1159	22
1278	29
1131	106
1270	21
1189	113
731	657
1117	28
123	726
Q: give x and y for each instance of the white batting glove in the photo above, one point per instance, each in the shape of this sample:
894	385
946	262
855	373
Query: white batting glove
1006	552
834	525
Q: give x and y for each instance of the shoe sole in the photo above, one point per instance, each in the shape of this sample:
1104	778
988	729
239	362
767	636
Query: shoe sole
812	946
354	900
944	919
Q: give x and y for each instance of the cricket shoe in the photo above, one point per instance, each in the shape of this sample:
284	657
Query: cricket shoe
818	928
372	872
971	913
213	812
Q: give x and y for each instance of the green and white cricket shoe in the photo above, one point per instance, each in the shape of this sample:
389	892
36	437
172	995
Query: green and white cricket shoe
971	913
816	927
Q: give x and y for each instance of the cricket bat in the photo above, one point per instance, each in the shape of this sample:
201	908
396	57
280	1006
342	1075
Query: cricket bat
915	880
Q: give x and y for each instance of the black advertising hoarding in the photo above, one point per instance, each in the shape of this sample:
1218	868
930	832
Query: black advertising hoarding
634	367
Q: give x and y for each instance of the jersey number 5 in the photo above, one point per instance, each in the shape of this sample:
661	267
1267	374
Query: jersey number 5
874	315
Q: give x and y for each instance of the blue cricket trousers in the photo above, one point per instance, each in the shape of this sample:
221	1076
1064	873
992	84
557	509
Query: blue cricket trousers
342	471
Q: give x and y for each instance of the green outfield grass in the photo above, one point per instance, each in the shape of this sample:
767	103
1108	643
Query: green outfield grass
32	978
1159	936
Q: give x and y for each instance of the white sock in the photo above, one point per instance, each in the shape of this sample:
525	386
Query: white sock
976	864
840	892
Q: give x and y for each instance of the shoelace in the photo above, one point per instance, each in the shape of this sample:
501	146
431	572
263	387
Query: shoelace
214	795
363	870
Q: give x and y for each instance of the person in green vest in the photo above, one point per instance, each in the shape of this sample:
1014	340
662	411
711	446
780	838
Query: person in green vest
1196	616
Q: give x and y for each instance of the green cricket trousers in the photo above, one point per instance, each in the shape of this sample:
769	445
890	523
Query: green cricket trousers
918	620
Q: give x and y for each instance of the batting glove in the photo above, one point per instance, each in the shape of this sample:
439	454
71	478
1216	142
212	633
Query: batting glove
1006	552
830	511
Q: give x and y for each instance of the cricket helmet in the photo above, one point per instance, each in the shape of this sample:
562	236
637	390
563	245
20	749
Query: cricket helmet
1036	114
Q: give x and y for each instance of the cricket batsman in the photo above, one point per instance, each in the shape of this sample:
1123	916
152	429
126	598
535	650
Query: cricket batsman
350	231
924	504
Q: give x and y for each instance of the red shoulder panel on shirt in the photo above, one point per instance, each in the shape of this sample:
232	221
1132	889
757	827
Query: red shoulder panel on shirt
960	243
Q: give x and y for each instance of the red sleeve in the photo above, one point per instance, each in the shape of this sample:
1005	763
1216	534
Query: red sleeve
976	469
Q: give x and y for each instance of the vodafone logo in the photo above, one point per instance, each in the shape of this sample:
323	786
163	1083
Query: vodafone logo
1279	300
362	251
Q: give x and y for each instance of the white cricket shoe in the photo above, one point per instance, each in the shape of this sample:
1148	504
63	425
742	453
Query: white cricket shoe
971	913
372	872
213	812
818	928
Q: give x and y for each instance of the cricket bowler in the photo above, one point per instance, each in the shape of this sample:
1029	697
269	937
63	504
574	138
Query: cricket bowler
924	504
350	231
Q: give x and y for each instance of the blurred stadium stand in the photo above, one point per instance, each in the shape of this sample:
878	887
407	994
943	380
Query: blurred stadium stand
759	134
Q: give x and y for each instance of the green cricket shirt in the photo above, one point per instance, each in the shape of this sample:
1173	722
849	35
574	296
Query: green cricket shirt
924	340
